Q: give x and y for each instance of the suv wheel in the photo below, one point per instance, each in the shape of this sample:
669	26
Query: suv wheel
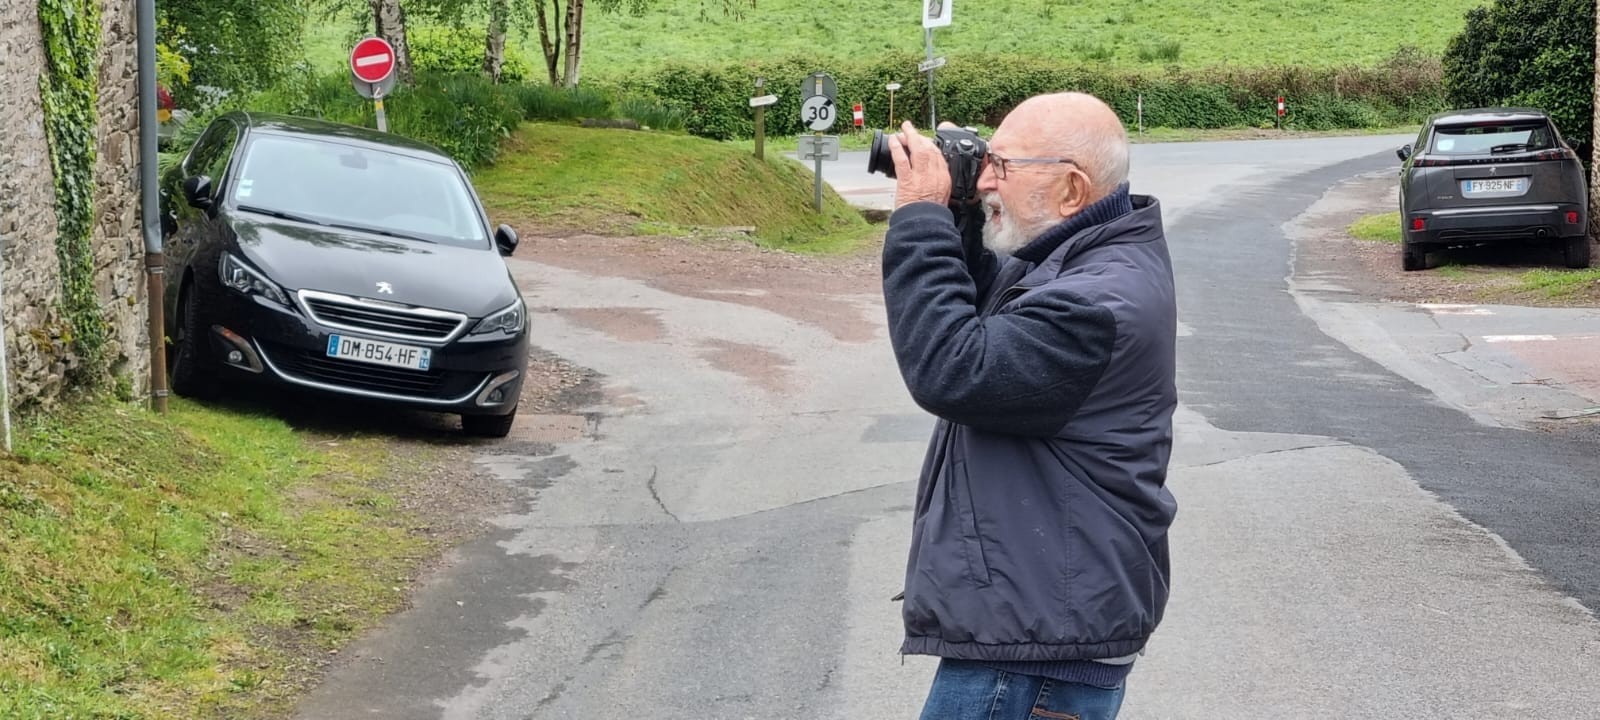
1576	252
488	426
1413	257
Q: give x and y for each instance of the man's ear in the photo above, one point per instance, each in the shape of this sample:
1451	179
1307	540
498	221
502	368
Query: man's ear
1075	191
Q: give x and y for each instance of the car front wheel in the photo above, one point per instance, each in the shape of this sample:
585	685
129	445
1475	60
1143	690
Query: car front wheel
1576	252
488	426
192	373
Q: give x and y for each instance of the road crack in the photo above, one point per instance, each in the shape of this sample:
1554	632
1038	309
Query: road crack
655	471
1264	454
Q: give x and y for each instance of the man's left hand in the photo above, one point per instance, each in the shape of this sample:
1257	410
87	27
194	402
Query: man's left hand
919	168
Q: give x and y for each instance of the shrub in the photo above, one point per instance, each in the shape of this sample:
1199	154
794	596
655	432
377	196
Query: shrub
1537	53
450	49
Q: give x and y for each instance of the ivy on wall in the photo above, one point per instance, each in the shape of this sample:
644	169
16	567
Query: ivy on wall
70	89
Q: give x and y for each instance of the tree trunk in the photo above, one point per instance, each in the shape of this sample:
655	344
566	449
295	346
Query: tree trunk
551	42
574	42
389	23
1594	142
494	44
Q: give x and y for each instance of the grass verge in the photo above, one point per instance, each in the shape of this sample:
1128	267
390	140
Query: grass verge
630	182
850	141
192	565
1382	227
1559	285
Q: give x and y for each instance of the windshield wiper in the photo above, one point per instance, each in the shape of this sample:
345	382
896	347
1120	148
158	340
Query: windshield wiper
1509	147
281	215
379	231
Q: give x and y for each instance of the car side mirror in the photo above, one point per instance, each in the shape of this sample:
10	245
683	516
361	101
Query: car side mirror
506	239
1404	153
197	190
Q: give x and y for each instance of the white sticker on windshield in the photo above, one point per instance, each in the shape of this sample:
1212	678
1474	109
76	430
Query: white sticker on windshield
245	187
1446	144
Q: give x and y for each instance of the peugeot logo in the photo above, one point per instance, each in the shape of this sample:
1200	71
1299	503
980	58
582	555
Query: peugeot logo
385	288
1493	170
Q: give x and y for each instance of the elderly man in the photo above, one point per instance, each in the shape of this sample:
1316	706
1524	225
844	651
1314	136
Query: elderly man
1038	566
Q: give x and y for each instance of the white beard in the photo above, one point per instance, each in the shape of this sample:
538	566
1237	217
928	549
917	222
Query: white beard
1005	234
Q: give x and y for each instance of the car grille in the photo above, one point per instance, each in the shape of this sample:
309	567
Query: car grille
425	385
381	319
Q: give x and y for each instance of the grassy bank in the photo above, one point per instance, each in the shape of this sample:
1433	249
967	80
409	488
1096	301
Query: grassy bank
635	182
193	565
1381	227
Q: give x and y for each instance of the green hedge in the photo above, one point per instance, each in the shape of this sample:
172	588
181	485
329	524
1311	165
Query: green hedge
981	89
463	114
1537	53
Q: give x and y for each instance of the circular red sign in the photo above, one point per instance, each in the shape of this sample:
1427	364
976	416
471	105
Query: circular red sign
372	60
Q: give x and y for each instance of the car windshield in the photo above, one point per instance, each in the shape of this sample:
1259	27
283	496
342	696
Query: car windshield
1484	139
359	188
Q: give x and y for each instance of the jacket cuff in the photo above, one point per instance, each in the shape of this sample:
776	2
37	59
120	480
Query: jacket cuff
921	212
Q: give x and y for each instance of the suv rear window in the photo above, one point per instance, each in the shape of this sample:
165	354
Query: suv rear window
1485	139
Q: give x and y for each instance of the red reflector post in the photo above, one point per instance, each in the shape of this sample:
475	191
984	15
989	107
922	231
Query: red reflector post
1417	224
1572	218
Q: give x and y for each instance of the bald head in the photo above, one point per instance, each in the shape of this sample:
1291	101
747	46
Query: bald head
1073	125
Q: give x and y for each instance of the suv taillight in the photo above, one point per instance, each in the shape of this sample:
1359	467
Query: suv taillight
1557	154
1425	161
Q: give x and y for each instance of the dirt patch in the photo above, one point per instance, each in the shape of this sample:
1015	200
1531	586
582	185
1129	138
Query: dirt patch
1508	274
622	323
832	293
764	368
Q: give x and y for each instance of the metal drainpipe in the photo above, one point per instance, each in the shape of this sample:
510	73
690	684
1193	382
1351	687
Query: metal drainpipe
5	376
149	205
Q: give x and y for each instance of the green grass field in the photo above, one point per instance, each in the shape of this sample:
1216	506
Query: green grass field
1240	33
651	183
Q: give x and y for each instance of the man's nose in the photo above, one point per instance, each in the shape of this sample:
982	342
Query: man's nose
987	181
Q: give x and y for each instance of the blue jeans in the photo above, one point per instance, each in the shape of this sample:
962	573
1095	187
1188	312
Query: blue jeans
969	691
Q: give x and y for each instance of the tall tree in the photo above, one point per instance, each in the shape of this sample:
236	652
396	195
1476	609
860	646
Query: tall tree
494	42
389	23
569	75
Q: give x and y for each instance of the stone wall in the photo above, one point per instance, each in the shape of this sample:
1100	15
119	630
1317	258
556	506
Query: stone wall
29	316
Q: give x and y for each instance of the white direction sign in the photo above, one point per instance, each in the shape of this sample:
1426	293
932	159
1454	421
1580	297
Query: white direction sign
818	112
763	101
933	64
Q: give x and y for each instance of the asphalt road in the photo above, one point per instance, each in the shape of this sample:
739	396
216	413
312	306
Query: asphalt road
1349	542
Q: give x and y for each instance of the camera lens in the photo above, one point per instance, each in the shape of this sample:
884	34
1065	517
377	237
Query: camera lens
878	159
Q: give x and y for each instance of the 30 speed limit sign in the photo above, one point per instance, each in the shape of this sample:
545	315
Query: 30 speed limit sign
817	112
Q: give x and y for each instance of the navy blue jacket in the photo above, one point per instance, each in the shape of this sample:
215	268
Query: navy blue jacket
1040	529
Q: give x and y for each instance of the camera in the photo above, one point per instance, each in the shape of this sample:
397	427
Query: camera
963	151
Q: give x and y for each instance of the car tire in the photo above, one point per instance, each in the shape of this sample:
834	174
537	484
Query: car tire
1575	252
488	426
193	375
1413	257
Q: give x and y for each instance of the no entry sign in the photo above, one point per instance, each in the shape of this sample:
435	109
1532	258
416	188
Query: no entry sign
372	60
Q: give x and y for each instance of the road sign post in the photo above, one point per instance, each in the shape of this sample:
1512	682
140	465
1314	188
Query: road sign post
1281	110
891	87
372	73
817	113
760	104
935	13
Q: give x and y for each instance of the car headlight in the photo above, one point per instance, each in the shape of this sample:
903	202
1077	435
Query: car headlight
508	321
249	281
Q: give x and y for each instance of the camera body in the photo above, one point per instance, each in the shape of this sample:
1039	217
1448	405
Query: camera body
963	151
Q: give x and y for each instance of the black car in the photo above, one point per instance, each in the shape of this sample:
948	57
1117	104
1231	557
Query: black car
1494	175
355	264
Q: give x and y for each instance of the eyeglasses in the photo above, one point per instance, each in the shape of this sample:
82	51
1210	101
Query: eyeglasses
1000	163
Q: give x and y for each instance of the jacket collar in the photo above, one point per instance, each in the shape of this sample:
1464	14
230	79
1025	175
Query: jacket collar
1104	210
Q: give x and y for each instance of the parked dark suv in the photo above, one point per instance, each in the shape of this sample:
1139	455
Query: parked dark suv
354	264
1495	175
